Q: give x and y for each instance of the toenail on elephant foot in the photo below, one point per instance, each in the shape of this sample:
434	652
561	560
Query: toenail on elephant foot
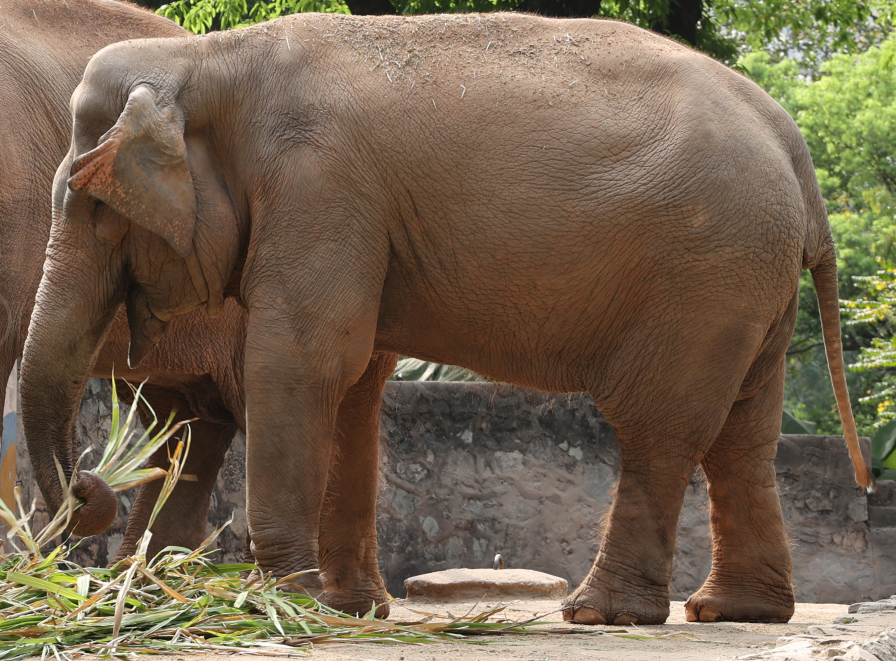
357	604
704	613
584	615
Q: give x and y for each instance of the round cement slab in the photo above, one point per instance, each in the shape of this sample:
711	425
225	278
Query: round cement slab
471	584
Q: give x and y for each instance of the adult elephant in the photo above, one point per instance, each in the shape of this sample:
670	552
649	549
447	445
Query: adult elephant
196	368
567	205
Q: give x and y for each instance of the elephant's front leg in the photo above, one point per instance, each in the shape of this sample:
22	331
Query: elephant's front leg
299	366
289	431
348	542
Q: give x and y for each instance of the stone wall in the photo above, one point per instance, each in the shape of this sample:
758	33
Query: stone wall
470	470
474	470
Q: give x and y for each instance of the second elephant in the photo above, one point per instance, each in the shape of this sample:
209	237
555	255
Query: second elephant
566	205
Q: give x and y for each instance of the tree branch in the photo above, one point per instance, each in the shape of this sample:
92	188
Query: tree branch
793	352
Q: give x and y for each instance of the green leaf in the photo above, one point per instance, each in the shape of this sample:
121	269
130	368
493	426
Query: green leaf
272	613
83	583
883	443
223	570
41	584
241	599
792	425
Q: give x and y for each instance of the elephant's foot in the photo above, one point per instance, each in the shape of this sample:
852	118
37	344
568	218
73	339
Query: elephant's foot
355	594
309	584
714	604
357	602
609	601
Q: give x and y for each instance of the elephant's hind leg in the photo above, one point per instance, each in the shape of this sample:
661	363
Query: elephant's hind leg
666	414
750	577
348	543
184	518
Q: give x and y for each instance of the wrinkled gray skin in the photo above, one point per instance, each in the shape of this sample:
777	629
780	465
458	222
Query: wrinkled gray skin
567	205
196	369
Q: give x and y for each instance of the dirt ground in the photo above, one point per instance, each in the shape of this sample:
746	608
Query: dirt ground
675	640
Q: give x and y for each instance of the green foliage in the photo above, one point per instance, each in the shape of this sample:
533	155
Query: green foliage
848	117
883	452
201	16
877	306
849	120
810	30
883	443
793	425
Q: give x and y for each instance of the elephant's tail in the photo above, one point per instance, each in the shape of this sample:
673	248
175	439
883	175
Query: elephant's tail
824	275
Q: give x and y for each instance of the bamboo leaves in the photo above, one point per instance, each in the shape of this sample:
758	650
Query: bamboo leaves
179	601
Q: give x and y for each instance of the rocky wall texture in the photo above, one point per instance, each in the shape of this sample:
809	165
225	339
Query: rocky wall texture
470	470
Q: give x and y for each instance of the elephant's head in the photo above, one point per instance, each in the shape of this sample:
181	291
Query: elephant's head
142	215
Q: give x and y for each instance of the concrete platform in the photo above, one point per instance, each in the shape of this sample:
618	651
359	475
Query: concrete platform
453	585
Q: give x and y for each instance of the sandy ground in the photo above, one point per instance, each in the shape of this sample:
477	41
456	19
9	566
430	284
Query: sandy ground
675	640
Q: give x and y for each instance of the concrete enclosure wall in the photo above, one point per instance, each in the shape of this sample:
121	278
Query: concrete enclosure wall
470	470
474	470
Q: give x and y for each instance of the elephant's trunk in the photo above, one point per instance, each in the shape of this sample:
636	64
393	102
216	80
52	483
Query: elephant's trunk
67	329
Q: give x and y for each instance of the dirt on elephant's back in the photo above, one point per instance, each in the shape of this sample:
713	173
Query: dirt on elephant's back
408	51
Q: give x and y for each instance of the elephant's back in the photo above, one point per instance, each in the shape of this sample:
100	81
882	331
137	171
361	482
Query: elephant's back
45	44
630	97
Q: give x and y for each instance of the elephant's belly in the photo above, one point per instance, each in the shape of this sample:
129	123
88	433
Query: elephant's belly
539	349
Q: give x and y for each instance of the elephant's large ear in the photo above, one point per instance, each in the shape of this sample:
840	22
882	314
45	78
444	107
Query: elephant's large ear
139	168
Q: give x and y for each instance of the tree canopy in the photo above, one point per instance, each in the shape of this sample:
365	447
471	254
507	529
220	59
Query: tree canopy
848	117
